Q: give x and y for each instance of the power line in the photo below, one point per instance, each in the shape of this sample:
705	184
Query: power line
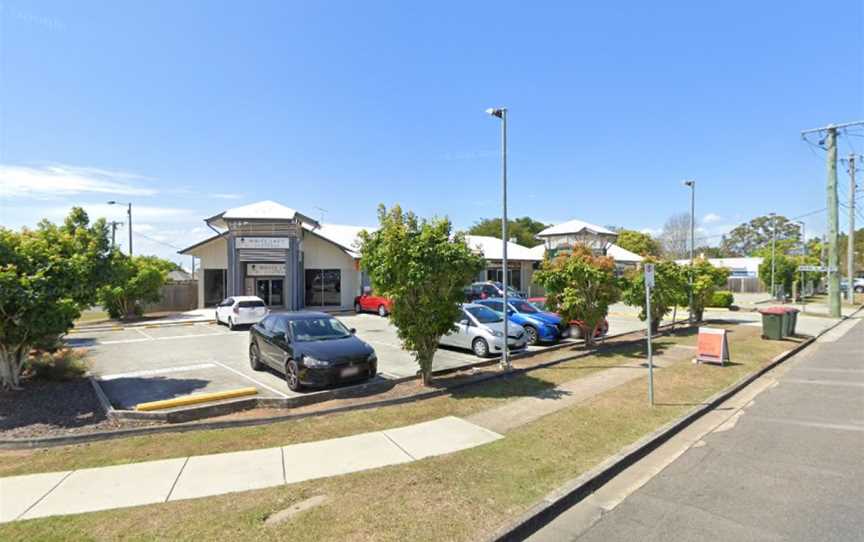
157	241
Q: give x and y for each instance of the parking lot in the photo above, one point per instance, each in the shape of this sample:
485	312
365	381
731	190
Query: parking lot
143	364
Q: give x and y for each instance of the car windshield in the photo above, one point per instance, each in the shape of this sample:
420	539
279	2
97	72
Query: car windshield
524	306
251	304
539	305
318	329
484	315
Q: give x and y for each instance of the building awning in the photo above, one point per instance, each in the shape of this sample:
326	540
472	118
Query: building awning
262	211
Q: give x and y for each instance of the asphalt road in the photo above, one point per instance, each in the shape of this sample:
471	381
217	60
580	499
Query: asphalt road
790	467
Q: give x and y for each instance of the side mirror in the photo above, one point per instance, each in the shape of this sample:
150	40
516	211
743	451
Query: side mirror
284	336
465	322
352	331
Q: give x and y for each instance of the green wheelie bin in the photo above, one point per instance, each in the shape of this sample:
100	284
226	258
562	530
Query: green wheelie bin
773	323
790	319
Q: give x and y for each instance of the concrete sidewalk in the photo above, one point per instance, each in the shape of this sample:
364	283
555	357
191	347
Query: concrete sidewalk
89	490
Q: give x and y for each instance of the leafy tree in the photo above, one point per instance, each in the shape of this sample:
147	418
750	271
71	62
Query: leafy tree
47	275
670	289
422	267
580	286
638	242
752	236
675	236
524	229
858	252
134	281
707	279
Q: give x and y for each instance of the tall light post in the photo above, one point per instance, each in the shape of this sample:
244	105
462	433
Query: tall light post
129	215
803	255
501	113
692	184
773	248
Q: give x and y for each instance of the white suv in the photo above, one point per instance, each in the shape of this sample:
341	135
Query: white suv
241	310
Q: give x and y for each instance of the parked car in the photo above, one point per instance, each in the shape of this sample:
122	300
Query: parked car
857	285
481	330
311	349
540	327
369	302
577	327
241	310
485	290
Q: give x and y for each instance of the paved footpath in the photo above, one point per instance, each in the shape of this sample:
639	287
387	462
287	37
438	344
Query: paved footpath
784	464
88	490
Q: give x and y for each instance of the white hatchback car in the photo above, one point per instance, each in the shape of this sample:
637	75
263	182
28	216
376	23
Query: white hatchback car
241	310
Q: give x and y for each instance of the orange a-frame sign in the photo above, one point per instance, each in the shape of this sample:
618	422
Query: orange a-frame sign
712	346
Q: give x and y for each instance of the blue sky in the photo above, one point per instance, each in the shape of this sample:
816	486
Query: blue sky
188	108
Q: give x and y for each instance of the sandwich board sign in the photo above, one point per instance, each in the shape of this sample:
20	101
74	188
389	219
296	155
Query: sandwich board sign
712	346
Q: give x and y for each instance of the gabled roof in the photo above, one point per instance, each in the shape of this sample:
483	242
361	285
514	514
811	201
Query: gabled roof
622	254
493	249
263	211
346	237
574	226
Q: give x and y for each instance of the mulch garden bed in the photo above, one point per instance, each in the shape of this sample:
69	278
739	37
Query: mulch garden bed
48	408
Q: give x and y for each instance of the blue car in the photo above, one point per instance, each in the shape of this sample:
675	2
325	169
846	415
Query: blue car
541	327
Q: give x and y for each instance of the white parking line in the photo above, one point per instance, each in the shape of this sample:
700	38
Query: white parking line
193	336
141	331
263	385
148	372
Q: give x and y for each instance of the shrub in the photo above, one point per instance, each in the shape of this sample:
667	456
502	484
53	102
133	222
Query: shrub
64	364
722	299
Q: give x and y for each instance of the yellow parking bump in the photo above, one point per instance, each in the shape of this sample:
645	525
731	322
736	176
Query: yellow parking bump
195	399
117	328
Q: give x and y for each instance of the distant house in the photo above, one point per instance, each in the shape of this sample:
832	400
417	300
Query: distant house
563	237
743	272
179	275
624	259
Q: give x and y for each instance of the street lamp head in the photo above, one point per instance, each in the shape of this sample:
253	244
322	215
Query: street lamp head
496	112
690	183
112	202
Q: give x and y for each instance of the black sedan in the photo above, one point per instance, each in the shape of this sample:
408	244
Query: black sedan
311	349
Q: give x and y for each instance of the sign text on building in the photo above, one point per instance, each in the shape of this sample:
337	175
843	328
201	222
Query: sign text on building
265	269
263	242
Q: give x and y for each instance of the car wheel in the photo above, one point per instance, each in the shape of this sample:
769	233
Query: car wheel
292	378
230	323
357	308
859	289
533	338
254	358
382	311
480	347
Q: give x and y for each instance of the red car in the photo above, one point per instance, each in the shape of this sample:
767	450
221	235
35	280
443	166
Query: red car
577	326
369	302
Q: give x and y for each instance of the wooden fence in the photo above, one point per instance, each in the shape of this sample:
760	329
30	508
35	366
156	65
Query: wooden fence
176	296
744	285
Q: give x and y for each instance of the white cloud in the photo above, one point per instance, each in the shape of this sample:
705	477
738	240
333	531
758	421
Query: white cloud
226	196
652	231
46	182
710	218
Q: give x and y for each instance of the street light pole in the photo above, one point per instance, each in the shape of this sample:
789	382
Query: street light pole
692	185
773	246
804	255
129	215
501	113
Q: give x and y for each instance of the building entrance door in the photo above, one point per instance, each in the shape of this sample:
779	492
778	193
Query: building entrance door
270	290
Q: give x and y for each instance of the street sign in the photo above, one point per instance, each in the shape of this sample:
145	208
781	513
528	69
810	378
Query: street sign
814	268
649	275
712	346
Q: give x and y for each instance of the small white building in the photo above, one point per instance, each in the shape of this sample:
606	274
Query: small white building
281	255
564	236
521	261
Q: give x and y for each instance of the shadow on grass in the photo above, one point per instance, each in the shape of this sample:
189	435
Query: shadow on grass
523	385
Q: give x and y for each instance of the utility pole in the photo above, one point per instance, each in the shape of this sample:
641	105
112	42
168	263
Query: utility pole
803	288
773	258
850	250
114	225
692	185
501	113
830	142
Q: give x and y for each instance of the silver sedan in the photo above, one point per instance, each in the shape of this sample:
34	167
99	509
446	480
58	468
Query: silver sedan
481	330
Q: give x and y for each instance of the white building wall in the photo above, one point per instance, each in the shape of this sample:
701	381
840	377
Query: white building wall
321	254
213	255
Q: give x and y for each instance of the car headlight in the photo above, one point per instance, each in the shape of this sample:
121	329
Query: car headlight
495	333
314	363
372	358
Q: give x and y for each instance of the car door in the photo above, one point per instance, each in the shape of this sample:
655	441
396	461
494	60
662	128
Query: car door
279	345
265	341
457	337
221	313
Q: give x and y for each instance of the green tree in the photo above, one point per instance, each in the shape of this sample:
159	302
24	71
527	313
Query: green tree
524	230
707	279
670	289
638	242
580	286
752	236
422	267
47	275
134	281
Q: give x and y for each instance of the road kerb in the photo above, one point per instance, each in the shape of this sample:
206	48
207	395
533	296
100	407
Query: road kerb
195	399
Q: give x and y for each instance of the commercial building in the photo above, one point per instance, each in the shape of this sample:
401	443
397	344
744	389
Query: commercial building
286	258
521	261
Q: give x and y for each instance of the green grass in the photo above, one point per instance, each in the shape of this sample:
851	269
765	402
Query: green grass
455	497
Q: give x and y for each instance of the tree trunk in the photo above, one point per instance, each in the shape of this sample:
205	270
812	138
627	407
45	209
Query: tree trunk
10	368
424	358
